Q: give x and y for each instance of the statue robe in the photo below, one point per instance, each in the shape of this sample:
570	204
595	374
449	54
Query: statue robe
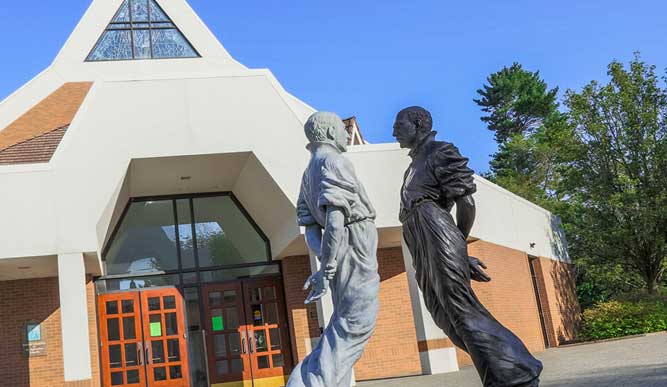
330	180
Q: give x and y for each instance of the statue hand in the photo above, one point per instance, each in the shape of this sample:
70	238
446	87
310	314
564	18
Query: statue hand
476	272
330	270
320	286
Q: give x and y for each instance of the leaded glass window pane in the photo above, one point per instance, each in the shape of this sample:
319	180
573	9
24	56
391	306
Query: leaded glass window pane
114	45
142	46
141	30
139	10
170	43
123	14
157	14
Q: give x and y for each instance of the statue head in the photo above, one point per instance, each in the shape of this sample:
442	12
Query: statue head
328	128
412	124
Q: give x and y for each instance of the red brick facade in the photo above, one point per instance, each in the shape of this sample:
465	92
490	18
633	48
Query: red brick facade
510	297
34	300
392	351
38	300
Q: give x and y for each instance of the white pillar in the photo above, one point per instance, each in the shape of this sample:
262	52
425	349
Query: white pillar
434	361
324	307
74	313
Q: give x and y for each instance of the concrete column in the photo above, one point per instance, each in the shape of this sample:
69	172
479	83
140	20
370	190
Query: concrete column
74	313
324	307
434	358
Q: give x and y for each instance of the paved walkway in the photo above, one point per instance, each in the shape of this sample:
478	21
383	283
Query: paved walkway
636	362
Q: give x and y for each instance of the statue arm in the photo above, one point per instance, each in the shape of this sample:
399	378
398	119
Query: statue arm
332	240
330	244
465	214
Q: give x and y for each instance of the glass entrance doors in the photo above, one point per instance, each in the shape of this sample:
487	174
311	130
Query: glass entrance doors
143	339
246	333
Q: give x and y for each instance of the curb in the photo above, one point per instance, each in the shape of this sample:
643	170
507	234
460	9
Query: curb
612	339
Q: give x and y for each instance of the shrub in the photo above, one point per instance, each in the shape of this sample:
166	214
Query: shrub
630	315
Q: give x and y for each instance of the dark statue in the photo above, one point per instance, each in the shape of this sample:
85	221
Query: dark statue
437	179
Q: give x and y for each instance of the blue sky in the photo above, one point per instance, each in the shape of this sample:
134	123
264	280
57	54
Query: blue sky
370	58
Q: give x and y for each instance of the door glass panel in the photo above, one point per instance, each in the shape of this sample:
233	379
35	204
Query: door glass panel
220	346
173	350
269	293
222	367
128	306
232	318
160	373
237	366
175	372
115	360
260	341
113	330
271	313
255	295
155	325
116	378
235	343
185	233
158	352
257	315
169	302
274	336
230	296
133	377
214	299
278	361
172	324
263	362
154	303
145	241
217	324
112	308
133	283
129	330
131	355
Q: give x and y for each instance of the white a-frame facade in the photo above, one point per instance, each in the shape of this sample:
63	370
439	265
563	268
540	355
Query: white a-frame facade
144	164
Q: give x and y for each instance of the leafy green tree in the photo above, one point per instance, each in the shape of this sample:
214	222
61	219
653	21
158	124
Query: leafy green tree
616	180
517	102
529	129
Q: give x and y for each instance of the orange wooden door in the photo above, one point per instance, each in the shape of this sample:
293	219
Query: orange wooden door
267	328
121	339
226	333
165	338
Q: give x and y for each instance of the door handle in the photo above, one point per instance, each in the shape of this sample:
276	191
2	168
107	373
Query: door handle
250	345
140	354
148	356
244	350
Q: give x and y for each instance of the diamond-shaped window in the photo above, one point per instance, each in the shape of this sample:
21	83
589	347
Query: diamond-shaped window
141	30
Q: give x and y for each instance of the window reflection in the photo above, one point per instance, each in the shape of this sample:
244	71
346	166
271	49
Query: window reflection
146	240
224	235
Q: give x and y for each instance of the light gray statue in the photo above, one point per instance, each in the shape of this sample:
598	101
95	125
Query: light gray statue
340	230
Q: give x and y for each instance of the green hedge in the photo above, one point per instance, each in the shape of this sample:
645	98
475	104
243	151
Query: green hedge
630	316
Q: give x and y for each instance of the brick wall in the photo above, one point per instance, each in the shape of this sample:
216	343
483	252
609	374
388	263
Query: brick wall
92	332
510	296
393	349
561	297
302	318
23	301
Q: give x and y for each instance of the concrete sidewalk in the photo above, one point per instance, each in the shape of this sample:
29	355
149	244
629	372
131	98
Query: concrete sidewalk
636	362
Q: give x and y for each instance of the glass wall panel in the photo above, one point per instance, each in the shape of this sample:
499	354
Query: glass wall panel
112	285
224	235
185	233
146	240
234	274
